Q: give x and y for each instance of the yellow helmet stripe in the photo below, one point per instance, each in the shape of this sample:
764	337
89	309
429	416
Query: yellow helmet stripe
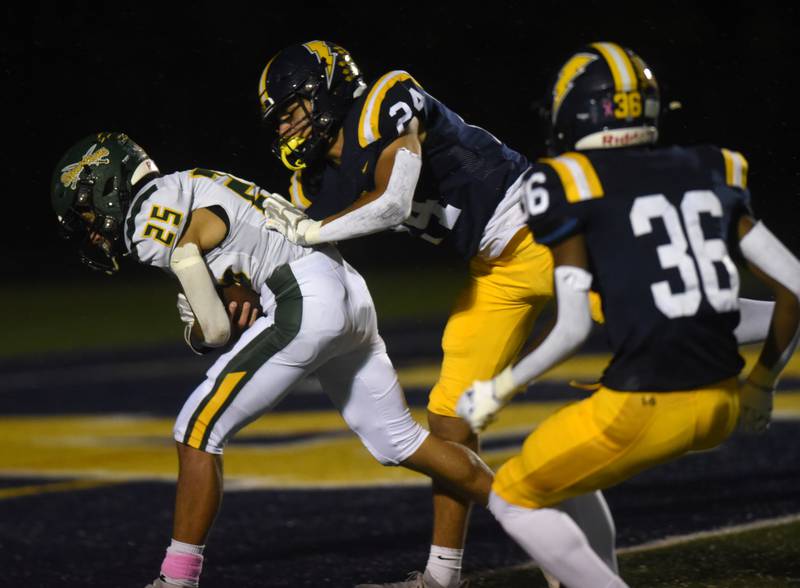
262	84
368	131
217	401
577	176
296	191
571	70
621	67
735	168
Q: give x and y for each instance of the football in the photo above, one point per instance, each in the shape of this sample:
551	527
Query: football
240	294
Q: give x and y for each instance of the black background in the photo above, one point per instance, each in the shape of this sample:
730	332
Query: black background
181	81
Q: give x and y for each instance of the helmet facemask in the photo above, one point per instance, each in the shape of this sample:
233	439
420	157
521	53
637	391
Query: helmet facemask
322	79
308	138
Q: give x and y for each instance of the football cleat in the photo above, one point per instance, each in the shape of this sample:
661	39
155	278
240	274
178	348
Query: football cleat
603	96
321	78
90	193
414	580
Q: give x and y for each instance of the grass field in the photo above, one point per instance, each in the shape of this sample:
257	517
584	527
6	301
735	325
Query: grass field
95	311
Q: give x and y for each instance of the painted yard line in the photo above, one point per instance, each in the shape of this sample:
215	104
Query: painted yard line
68	486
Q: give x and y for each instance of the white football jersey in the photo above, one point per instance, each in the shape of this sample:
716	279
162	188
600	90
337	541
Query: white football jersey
249	253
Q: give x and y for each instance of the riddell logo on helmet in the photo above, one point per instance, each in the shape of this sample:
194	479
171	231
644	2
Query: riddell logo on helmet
613	140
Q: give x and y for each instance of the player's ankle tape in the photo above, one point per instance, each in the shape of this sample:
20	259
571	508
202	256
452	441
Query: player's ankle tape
183	567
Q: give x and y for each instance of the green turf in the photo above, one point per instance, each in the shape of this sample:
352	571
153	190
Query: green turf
97	312
762	558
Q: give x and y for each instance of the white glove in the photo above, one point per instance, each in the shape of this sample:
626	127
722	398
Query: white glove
480	404
291	222
756	407
187	316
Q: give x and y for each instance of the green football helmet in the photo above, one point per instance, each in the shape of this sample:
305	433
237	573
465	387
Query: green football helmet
91	191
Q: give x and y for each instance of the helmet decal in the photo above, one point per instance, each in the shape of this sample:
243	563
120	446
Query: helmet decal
323	53
72	172
571	70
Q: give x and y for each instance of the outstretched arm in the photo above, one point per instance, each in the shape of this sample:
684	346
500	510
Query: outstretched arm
389	204
774	265
572	280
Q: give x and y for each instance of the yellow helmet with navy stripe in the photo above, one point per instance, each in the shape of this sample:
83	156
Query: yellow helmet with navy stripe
604	96
321	78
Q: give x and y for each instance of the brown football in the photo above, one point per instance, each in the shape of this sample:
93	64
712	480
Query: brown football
240	294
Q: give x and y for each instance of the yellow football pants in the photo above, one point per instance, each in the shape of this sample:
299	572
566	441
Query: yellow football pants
609	437
493	316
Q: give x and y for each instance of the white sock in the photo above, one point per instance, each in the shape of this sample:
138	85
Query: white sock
591	513
556	543
444	565
176	546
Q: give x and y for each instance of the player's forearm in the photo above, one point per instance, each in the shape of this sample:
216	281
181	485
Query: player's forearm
764	251
572	326
192	272
374	214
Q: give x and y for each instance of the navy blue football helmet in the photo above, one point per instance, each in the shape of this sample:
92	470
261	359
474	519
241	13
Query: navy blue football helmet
321	78
604	96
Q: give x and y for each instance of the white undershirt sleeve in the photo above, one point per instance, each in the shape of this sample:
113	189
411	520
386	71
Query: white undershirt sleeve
388	210
573	324
761	248
755	317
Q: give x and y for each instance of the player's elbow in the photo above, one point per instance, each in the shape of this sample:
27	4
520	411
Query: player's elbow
216	332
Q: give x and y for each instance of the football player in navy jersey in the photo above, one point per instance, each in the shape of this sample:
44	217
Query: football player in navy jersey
653	230
370	157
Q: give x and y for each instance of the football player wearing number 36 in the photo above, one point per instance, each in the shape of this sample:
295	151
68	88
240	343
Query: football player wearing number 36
652	229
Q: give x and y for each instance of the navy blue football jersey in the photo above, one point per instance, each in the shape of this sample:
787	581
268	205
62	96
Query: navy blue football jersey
659	224
465	170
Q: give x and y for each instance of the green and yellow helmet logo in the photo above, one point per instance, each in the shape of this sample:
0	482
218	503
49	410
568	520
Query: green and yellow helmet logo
93	157
566	77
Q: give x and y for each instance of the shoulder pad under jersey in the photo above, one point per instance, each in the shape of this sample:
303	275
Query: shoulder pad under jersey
391	102
155	222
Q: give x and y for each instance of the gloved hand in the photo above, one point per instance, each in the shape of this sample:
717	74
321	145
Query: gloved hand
282	216
756	407
480	404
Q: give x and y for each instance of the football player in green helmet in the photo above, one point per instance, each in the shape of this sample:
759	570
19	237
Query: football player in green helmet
204	226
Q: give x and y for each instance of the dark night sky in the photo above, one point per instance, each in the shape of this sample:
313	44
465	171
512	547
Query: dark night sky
183	84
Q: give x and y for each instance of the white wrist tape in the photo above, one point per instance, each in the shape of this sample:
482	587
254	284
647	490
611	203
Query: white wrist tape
755	318
192	272
572	326
388	210
761	248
